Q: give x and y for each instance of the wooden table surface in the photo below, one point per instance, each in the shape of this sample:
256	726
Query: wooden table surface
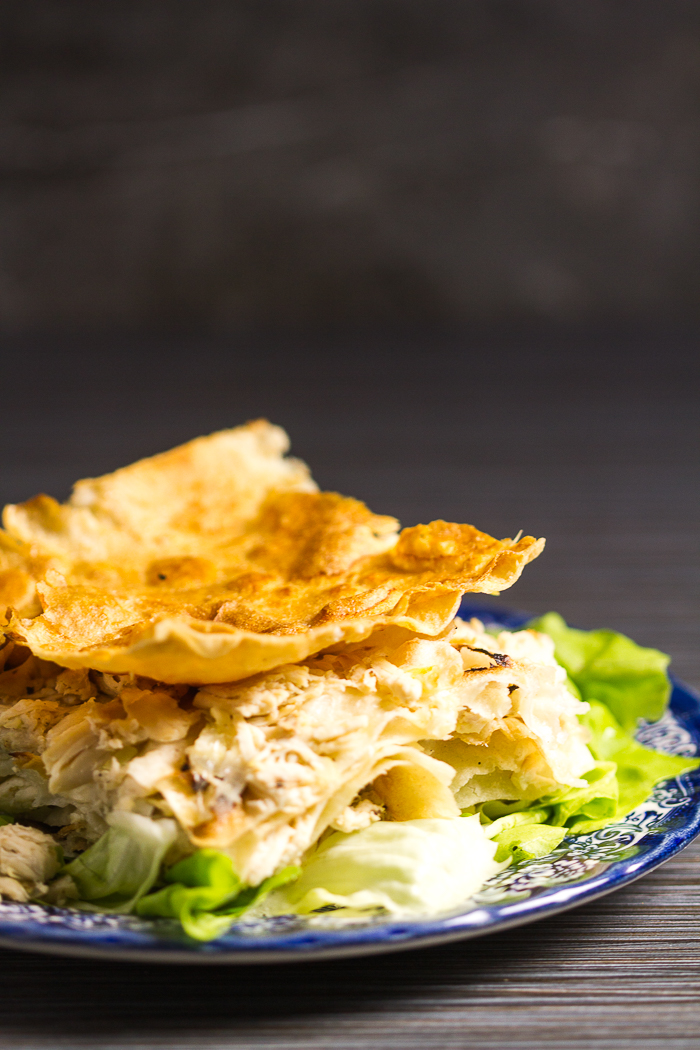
591	441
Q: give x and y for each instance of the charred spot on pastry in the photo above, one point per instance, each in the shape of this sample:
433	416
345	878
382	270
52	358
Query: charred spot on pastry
180	572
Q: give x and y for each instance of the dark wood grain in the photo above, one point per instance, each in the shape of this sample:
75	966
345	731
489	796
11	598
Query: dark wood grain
597	450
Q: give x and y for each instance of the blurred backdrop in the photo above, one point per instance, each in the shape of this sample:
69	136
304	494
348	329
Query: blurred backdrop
452	245
305	163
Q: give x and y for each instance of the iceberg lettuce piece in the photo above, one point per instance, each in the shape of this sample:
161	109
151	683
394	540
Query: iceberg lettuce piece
409	867
623	778
206	895
114	873
607	666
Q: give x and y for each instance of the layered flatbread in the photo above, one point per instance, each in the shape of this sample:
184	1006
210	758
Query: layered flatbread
220	559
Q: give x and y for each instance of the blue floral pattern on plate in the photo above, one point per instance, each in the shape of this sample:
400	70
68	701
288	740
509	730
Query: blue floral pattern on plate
581	868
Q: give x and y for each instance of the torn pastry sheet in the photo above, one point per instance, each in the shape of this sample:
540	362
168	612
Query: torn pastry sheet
220	559
399	726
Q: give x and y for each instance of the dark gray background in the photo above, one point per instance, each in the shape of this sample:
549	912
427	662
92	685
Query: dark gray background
306	163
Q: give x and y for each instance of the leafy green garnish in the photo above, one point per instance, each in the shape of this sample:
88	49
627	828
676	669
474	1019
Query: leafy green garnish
206	894
607	666
638	768
523	834
528	841
597	801
623	777
410	867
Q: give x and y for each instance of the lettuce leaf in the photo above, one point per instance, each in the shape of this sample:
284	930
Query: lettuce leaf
607	666
410	867
622	682
491	811
523	834
516	819
637	767
123	864
623	778
206	894
597	801
527	841
624	775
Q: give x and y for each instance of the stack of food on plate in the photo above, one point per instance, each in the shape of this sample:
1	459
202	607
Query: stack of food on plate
224	690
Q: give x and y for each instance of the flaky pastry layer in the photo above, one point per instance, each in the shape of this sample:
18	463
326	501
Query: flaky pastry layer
220	559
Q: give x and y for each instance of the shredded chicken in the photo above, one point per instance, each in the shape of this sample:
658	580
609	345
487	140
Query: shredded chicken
260	768
29	859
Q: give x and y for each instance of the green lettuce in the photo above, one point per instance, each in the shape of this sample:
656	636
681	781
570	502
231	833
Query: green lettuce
598	800
623	777
114	873
527	841
637	768
205	894
523	835
607	666
623	682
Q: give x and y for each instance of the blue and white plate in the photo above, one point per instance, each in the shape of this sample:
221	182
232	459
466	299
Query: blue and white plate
581	868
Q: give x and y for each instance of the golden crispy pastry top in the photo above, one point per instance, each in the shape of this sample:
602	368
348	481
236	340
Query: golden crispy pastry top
220	559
